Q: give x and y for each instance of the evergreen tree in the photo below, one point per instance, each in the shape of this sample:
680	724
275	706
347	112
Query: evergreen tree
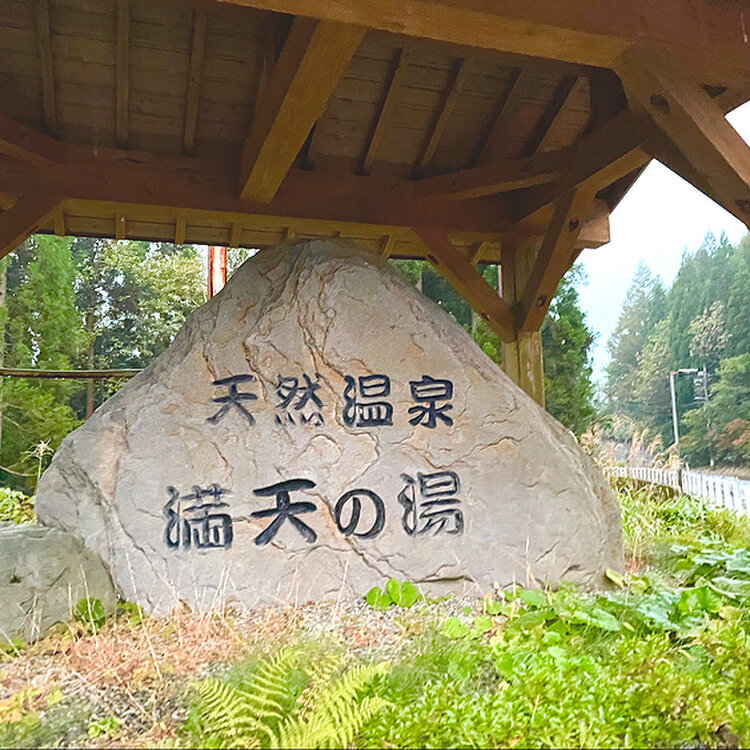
644	306
724	422
42	330
566	339
651	383
566	342
737	315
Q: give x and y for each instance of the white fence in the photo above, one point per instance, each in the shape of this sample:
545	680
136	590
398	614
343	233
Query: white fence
717	490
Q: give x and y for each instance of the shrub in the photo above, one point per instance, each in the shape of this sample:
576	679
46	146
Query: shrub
16	507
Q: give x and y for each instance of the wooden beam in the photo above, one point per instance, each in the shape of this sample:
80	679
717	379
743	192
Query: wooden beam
578	162
21	221
387	243
46	69
554	258
18	372
313	59
504	110
180	227
606	96
500	176
693	122
192	96
235	234
609	153
122	90
522	358
566	92
476	251
468	282
58	220
706	35
397	76
121	226
21	142
177	184
445	111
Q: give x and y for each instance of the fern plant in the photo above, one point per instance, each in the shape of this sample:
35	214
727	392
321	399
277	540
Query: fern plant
329	712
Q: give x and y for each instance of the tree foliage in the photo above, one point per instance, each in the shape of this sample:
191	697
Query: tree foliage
703	321
566	337
567	342
82	303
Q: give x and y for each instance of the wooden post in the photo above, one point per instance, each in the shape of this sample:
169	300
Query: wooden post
522	358
217	269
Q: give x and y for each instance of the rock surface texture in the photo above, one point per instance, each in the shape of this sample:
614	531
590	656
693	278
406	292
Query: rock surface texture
44	573
316	428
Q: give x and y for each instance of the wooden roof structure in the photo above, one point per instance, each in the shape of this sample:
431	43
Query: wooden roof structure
460	131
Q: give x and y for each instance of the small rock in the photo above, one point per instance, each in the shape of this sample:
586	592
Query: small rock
44	573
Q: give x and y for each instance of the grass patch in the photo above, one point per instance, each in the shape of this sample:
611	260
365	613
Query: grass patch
662	659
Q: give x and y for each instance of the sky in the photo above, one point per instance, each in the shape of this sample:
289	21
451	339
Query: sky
660	218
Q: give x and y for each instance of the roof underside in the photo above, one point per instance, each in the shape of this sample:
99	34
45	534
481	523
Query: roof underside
243	122
501	105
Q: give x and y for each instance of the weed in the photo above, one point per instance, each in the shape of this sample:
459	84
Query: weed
16	507
401	593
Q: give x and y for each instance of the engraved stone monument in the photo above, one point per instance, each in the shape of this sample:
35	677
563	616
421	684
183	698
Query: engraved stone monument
316	428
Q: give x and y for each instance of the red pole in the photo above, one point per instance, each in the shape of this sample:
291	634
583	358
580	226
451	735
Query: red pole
217	269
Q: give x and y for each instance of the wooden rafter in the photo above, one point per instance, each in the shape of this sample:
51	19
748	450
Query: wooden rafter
612	151
447	105
44	45
566	92
501	176
27	144
694	124
23	219
313	150
122	60
554	258
395	81
576	31
192	96
505	109
468	282
576	163
313	59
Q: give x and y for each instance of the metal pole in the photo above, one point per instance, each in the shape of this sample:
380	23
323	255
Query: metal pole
711	460
674	409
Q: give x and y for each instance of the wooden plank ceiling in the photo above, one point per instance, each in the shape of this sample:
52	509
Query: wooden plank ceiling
425	128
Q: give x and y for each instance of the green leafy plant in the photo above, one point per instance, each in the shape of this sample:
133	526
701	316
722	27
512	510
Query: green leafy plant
16	507
401	593
263	712
132	612
109	726
91	613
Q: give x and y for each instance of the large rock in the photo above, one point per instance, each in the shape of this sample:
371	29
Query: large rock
408	453
44	573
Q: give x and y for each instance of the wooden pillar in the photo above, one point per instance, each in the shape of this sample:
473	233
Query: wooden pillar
522	358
